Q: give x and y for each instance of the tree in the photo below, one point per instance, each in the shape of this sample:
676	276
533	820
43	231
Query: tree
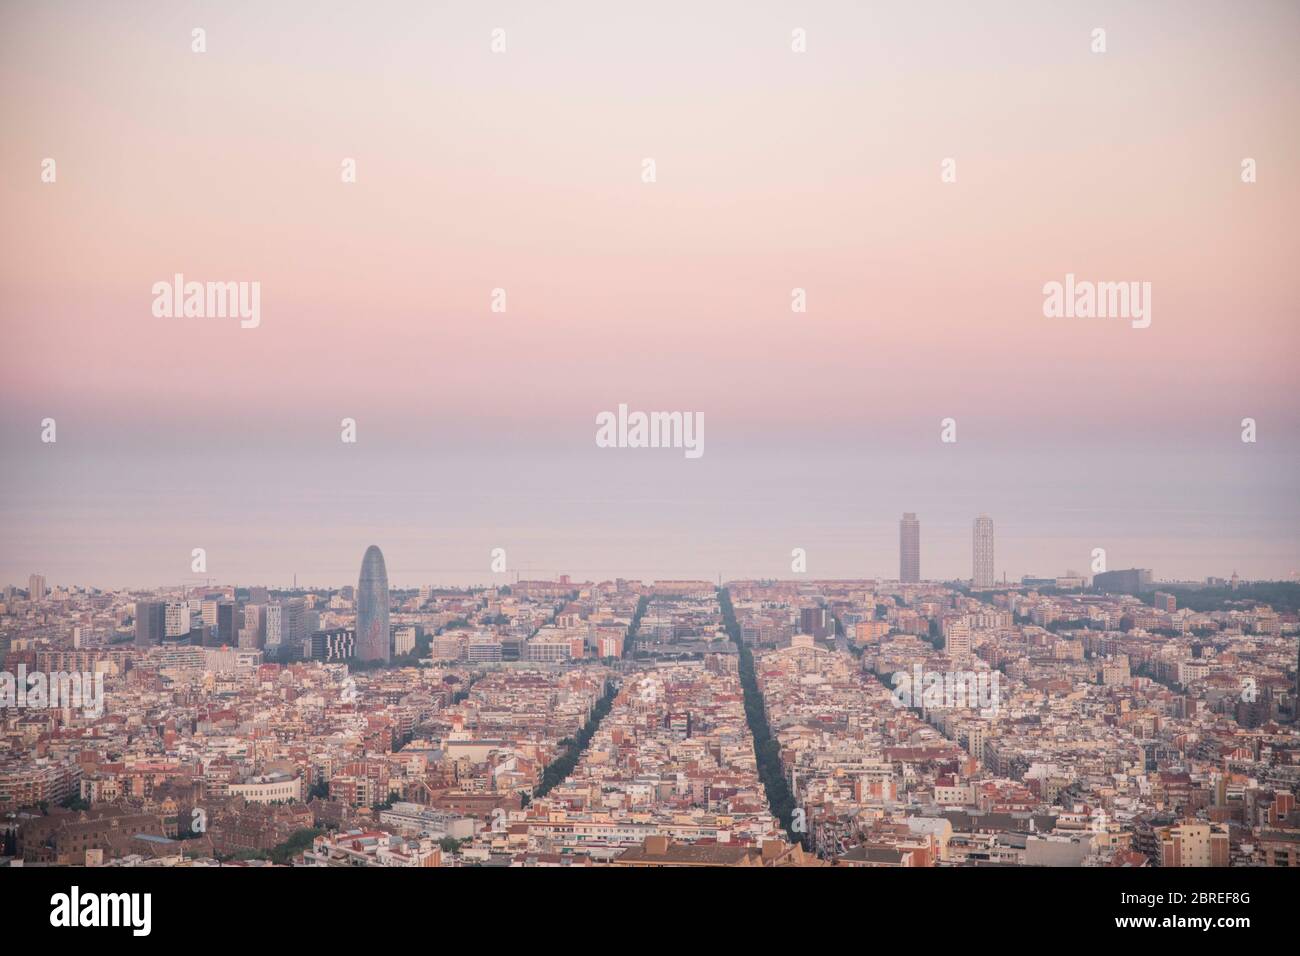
299	841
766	749
559	768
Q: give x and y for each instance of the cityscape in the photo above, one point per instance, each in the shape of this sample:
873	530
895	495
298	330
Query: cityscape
1084	720
625	438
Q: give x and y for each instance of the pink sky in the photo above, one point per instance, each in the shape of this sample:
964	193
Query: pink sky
775	170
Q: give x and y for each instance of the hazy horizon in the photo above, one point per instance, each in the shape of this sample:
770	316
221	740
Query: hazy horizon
521	170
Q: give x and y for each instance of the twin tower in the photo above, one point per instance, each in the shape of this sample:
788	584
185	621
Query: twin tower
909	551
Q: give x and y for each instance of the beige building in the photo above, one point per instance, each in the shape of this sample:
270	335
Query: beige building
1193	844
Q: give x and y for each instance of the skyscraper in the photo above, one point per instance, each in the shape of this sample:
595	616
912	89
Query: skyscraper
228	624
909	549
372	608
274	623
983	553
36	589
285	624
150	623
176	619
253	634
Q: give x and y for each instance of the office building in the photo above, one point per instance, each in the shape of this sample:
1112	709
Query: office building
335	644
909	549
228	624
176	619
1130	581
373	640
150	623
982	576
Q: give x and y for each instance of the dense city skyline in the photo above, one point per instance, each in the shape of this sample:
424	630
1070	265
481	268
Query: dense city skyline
605	437
981	572
797	723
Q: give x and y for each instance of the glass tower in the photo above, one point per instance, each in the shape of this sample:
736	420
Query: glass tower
372	608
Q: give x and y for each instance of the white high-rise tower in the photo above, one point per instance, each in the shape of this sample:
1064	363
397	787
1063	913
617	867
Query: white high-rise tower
909	549
983	553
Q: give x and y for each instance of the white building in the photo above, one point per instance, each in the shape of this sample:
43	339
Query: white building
983	576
